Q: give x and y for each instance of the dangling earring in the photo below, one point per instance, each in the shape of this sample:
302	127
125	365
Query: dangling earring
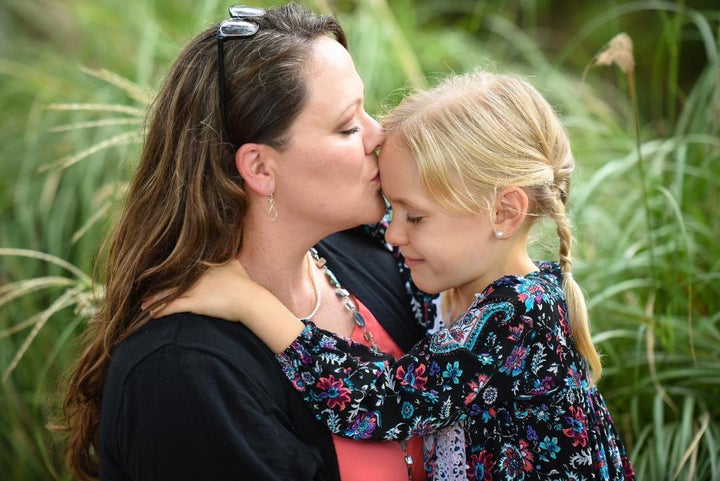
499	234
272	211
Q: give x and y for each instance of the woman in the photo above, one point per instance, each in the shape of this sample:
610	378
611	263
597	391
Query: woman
258	148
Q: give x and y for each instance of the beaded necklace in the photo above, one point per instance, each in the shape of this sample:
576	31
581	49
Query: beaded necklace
350	305
344	295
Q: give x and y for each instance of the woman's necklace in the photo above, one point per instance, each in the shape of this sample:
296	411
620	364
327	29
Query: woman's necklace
316	288
350	305
344	296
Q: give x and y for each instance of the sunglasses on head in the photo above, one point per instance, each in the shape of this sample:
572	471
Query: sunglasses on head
239	25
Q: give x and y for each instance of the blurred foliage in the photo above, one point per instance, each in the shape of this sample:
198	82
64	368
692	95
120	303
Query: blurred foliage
76	78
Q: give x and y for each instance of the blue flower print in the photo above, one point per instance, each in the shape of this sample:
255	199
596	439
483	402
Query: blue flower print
549	448
485	359
328	343
363	426
542	412
542	386
407	410
453	372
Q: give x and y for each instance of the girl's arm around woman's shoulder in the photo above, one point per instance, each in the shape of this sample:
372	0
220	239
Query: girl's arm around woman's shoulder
227	292
489	357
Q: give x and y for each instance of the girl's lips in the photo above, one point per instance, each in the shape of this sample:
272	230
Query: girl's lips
410	262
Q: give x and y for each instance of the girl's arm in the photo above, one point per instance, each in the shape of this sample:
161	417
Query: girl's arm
363	394
493	355
357	392
227	292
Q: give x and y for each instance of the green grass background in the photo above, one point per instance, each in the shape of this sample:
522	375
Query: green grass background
76	77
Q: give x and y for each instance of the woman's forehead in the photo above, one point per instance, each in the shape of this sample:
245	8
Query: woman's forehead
334	85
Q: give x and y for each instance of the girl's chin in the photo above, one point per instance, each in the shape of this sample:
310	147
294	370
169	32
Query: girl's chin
425	285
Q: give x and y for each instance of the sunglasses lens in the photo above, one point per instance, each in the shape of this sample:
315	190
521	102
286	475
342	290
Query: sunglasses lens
238	11
237	28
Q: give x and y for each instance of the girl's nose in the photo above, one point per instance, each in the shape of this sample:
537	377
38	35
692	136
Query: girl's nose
394	235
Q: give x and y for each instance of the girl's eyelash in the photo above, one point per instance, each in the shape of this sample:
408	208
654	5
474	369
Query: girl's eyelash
413	219
351	131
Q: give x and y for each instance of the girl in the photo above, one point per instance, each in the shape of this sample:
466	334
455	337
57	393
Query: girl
468	168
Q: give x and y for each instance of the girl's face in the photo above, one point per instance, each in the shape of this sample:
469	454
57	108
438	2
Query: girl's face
328	175
442	250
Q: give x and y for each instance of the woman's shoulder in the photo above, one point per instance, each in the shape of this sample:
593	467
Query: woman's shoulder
166	340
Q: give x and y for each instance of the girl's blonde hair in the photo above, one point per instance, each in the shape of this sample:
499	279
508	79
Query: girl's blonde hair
473	135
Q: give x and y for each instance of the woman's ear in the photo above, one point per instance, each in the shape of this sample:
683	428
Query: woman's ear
511	205
253	164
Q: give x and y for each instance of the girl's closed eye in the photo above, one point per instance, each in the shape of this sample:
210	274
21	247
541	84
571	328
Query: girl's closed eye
413	219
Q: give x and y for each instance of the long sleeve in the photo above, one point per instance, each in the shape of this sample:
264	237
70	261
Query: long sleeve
495	354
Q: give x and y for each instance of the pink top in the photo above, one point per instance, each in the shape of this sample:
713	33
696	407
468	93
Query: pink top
377	460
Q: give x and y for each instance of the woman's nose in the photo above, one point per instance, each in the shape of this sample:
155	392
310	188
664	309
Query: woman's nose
375	135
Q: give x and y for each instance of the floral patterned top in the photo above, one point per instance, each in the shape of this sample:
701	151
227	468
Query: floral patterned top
507	370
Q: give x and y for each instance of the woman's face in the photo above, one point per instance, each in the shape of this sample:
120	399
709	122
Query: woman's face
328	175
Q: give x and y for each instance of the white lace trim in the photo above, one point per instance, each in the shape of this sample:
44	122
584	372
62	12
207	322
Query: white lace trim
449	447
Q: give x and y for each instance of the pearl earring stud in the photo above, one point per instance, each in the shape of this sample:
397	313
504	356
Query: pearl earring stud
499	234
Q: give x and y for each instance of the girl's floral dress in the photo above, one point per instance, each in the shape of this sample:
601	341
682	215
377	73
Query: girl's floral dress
506	371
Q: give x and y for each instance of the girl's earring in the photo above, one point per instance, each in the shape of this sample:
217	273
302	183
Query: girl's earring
499	234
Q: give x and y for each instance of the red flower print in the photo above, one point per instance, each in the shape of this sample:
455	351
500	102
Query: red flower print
577	429
334	391
412	377
481	466
516	460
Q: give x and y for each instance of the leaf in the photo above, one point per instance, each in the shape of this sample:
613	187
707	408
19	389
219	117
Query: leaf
133	90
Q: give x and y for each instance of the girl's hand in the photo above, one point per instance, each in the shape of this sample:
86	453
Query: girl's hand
227	292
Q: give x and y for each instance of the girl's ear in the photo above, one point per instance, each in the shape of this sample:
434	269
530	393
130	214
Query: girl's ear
254	166
511	205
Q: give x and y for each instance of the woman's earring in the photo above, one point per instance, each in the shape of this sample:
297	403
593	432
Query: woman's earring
272	211
499	234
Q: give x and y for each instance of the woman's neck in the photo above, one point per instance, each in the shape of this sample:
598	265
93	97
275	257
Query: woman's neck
277	260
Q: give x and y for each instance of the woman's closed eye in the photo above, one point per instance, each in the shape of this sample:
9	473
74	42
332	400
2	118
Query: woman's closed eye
351	131
413	219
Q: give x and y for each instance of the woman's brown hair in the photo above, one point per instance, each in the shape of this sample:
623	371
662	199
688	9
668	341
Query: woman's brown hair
185	206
